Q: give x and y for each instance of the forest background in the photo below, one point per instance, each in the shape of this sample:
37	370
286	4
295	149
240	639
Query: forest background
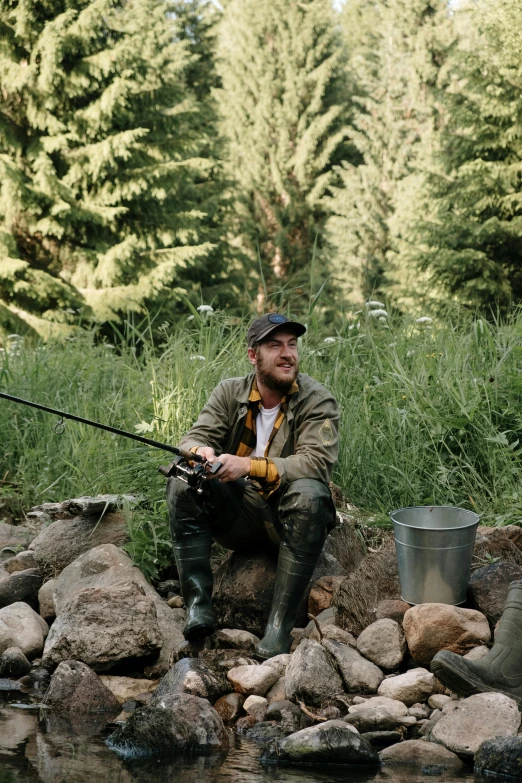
170	168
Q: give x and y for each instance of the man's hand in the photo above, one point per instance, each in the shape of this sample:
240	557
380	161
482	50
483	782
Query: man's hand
233	468
208	453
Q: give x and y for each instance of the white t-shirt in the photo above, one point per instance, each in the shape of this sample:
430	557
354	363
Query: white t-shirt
265	421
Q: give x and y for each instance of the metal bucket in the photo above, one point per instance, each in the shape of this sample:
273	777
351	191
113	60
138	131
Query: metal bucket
434	549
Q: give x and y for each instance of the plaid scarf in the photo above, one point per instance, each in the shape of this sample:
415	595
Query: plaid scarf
261	468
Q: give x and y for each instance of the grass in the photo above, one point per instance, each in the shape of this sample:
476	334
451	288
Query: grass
431	414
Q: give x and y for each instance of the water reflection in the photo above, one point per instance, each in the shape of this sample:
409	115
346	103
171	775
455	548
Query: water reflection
37	747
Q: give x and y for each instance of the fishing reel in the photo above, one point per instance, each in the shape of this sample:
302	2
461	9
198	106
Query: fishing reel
194	474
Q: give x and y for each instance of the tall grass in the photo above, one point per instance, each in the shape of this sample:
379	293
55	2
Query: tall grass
430	413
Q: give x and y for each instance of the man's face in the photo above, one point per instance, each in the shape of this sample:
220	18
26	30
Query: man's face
275	360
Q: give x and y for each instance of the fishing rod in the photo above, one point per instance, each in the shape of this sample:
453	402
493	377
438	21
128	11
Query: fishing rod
180	467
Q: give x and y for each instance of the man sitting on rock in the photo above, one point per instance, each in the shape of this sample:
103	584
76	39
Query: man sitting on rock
275	433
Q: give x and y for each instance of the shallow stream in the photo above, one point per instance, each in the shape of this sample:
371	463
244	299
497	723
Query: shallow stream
39	747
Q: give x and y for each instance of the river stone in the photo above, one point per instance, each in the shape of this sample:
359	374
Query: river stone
382	739
46	600
499	756
264	731
243	591
13	663
383	643
438	700
430	628
278	663
331	742
278	691
189	725
322	592
336	634
397	708
21	627
63	541
171	623
190	676
421	754
475	720
311	675
74	686
476	653
229	707
489	585
252	680
234	639
128	688
376	718
391	609
12	538
358	673
20	586
20	562
416	685
256	706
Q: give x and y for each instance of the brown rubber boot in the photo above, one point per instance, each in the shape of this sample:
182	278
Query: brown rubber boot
501	669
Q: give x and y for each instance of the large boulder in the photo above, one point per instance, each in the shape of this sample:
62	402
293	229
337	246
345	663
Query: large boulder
418	753
415	686
332	742
500	756
489	587
189	675
74	686
21	627
311	676
188	725
358	673
432	627
383	643
473	720
63	541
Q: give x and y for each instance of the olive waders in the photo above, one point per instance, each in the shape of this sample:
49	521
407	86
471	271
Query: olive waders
297	519
501	669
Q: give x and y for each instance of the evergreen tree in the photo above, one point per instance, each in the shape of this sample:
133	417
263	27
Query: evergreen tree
472	244
283	101
104	168
398	51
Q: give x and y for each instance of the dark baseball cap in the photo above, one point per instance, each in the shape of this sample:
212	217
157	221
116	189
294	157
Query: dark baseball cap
261	327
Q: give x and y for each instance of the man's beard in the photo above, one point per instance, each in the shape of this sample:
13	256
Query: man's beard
272	381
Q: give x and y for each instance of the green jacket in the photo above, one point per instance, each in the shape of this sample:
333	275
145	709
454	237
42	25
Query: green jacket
306	445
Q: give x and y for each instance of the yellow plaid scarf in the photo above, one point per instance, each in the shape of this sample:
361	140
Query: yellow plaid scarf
261	468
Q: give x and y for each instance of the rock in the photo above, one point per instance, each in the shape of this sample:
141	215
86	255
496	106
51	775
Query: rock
13	663
322	592
383	643
20	586
171	623
190	675
46	600
311	675
223	660
421	754
278	663
104	625
252	680
234	639
127	688
358	673
63	541
476	653
498	543
256	706
394	609
376	578
264	731
437	701
176	602
420	711
277	692
375	718
433	627
330	742
475	720
499	756
336	634
189	725
243	591
382	739
416	685
489	587
21	627
20	562
397	708
12	538
229	707
75	687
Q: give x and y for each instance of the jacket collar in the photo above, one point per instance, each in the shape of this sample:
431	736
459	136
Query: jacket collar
243	395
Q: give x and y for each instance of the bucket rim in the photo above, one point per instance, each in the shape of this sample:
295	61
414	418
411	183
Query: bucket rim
417	527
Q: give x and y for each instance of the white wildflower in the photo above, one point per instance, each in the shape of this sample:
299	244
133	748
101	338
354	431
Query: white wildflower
330	340
410	353
197	356
191	317
354	326
205	309
382	319
371	304
378	313
424	320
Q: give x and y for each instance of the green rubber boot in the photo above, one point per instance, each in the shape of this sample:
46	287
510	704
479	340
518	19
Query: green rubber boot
195	576
501	669
293	574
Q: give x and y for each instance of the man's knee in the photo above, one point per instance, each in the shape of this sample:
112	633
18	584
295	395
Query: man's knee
307	514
